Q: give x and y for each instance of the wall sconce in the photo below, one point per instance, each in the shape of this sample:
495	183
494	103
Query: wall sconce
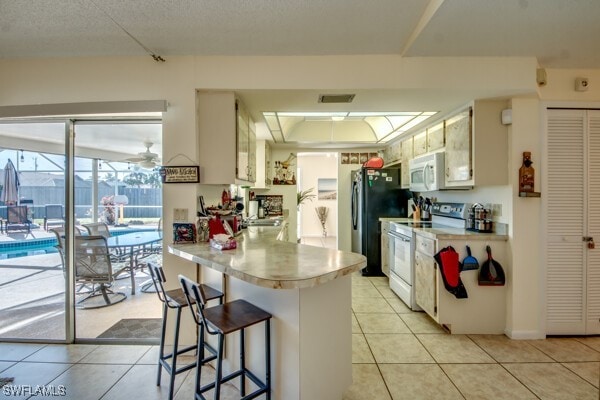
22	156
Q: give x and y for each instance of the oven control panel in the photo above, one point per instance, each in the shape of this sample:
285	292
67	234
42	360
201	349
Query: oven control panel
452	210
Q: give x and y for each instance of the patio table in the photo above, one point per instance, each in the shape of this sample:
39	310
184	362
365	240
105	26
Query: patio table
130	243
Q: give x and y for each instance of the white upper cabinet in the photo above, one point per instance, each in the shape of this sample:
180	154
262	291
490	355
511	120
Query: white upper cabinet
264	172
226	139
477	146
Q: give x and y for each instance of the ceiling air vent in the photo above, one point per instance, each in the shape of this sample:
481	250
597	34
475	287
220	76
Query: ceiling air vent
336	98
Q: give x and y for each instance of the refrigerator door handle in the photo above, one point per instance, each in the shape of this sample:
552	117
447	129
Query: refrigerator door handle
354	206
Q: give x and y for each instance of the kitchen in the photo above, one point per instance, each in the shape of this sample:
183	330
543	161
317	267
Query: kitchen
451	76
470	80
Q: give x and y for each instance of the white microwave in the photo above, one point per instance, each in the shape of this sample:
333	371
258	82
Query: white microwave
427	173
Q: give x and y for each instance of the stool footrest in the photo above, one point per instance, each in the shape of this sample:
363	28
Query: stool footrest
179	352
169	369
262	387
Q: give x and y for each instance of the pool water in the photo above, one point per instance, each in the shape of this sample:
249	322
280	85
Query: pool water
25	251
42	246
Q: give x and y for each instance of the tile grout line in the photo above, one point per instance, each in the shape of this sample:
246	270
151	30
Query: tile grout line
374	359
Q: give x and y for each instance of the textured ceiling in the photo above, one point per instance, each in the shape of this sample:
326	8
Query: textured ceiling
560	33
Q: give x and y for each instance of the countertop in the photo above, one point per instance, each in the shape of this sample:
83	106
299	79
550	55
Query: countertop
262	260
450	233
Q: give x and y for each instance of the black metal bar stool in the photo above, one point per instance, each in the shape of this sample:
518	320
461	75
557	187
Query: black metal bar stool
221	320
176	299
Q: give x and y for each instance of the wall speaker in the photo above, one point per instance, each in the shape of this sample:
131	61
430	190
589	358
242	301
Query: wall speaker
506	116
541	77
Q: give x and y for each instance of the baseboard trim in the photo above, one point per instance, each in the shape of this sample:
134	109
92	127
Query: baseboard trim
525	335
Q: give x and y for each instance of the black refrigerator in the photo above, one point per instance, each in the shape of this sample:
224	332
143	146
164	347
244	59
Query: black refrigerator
376	193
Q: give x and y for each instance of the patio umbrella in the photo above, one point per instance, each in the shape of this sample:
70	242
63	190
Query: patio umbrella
10	188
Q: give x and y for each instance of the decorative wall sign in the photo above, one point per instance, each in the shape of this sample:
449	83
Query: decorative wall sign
184	233
182	174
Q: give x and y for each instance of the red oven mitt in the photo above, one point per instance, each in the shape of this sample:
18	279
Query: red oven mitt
447	259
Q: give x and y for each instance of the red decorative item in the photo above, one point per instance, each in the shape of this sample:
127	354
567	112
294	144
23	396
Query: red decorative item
215	227
374	162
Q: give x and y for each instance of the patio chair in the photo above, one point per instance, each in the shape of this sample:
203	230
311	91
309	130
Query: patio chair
93	265
17	219
149	254
54	215
97	228
60	246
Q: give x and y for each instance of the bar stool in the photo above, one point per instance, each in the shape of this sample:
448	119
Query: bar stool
176	299
221	320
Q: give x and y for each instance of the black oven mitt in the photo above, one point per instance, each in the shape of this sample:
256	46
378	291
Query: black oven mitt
450	267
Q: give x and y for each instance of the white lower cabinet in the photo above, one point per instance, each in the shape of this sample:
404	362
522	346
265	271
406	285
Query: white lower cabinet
484	311
425	284
385	245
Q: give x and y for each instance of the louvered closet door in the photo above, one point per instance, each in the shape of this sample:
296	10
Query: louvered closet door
593	223
565	274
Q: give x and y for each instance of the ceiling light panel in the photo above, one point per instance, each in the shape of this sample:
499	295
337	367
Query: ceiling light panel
380	126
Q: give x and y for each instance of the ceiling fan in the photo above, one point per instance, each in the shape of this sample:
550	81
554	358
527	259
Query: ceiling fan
145	159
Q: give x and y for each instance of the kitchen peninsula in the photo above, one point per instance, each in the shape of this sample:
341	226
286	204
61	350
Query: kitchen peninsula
308	291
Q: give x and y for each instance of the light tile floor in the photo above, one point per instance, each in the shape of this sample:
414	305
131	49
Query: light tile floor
397	354
400	354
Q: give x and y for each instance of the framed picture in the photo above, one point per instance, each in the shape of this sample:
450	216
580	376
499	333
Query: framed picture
182	174
327	189
353	158
363	158
345	158
272	204
371	155
184	233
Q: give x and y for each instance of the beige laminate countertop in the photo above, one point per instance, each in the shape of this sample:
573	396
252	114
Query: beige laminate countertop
450	233
262	260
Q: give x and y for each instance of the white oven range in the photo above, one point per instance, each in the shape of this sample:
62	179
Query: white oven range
402	242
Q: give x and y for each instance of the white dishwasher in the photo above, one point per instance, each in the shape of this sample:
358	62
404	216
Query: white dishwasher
401	262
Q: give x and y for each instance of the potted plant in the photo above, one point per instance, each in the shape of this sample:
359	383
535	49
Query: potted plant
305	195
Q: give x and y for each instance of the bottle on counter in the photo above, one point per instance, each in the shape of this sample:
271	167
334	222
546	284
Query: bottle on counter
526	174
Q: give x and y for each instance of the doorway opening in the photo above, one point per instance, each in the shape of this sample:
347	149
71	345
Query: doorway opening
318	215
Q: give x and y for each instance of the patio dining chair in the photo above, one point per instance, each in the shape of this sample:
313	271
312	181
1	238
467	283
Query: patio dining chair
54	215
97	228
93	265
17	219
151	253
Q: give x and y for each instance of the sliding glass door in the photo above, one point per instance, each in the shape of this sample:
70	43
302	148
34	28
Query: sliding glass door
32	269
70	176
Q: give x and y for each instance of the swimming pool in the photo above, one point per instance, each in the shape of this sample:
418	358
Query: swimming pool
24	251
32	247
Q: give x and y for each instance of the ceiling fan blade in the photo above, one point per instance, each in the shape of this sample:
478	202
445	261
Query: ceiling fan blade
135	159
147	164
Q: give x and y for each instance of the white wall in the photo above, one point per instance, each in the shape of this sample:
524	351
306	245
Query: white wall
312	168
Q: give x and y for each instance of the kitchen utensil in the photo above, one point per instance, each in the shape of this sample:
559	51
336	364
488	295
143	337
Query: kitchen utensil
491	272
470	262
